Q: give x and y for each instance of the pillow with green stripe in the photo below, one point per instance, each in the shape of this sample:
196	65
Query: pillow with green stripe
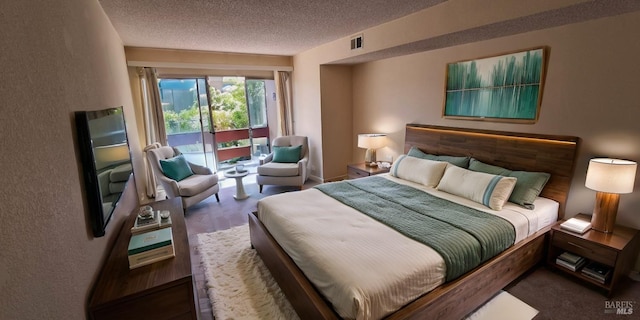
528	186
423	171
462	162
176	168
487	189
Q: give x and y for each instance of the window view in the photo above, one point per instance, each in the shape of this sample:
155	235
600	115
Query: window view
186	118
217	121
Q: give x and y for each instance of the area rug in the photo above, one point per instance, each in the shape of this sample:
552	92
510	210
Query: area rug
504	306
238	283
240	286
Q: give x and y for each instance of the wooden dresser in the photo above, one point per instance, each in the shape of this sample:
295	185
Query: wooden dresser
161	290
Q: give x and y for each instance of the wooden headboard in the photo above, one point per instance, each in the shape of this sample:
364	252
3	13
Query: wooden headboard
515	151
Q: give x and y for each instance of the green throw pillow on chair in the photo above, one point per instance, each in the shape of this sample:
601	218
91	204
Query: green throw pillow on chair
287	154
176	168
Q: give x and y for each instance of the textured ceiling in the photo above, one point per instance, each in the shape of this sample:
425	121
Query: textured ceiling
288	27
279	27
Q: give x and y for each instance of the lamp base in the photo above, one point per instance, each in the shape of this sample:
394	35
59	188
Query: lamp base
370	158
605	211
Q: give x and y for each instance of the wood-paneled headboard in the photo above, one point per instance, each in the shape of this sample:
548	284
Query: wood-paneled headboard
515	151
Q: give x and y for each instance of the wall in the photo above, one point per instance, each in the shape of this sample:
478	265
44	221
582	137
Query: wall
449	22
57	57
177	58
337	114
591	91
306	107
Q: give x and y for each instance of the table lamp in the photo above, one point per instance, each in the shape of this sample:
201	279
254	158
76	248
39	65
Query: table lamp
371	141
610	178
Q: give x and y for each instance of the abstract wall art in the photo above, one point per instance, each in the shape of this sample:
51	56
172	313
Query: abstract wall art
505	88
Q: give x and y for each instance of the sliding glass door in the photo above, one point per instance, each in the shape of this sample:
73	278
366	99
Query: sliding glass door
258	124
239	116
216	121
187	119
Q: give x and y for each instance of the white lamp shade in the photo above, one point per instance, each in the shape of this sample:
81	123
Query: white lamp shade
372	140
611	175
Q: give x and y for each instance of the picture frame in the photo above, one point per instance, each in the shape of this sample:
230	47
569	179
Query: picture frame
502	88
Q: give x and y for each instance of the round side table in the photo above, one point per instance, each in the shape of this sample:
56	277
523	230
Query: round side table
240	194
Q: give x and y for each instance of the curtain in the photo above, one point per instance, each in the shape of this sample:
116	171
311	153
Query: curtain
150	177
285	108
155	133
152	106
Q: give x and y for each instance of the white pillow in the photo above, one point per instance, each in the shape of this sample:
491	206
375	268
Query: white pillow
423	171
488	189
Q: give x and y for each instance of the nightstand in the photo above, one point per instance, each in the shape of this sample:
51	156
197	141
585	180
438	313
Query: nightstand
360	170
616	250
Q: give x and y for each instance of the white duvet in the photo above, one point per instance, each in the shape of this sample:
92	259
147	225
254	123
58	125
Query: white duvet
365	269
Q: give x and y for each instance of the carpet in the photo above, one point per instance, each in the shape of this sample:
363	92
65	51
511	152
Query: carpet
240	286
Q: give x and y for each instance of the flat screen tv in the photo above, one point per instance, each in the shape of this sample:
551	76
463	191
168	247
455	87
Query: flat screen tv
106	162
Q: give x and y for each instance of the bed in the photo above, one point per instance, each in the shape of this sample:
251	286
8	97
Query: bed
437	298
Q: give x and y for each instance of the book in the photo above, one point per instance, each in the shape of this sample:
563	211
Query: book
150	240
576	225
146	224
594	277
570	257
151	256
571	266
597	271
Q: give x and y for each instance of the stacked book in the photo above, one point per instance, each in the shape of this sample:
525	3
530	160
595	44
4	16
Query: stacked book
149	247
153	222
570	261
597	271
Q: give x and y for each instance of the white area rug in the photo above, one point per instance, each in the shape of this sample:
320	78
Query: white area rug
504	306
240	285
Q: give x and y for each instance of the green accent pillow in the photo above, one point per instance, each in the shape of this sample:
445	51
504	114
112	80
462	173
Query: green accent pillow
462	162
528	186
287	154
176	168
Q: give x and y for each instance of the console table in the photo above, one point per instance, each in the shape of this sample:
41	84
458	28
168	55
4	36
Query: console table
161	290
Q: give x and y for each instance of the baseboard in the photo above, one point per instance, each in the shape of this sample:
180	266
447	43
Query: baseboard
316	179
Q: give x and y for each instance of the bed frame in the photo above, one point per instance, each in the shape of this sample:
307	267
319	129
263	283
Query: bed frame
516	151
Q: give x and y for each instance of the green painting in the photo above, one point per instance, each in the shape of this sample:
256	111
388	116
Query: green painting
501	88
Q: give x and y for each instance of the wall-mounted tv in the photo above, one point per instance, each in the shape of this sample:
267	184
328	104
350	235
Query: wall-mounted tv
106	162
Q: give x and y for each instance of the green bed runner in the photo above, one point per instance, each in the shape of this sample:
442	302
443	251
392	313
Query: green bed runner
463	236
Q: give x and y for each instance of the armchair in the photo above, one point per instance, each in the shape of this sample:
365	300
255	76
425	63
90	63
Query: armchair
285	173
193	189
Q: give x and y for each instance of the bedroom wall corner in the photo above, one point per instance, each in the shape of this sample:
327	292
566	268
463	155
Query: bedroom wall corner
306	107
337	120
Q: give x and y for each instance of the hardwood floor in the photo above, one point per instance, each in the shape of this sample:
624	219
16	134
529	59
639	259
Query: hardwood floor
209	216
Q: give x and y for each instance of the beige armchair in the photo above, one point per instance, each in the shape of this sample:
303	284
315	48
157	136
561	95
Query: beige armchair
193	189
285	174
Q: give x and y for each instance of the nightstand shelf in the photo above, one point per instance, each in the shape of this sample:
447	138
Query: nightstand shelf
360	170
616	250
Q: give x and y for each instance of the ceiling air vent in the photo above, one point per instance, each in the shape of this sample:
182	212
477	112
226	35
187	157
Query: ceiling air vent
356	42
